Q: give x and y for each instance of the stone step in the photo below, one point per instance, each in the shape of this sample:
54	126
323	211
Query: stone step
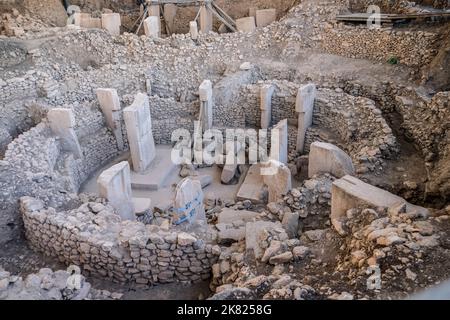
155	176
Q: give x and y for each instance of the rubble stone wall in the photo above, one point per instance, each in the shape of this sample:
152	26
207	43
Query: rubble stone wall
94	238
412	48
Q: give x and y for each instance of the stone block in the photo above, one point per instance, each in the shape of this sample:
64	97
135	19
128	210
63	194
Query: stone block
152	27
265	17
111	22
327	158
246	24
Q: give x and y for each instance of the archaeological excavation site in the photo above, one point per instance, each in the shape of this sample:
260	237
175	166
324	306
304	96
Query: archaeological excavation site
224	150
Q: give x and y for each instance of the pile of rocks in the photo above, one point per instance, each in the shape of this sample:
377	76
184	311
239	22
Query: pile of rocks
15	24
51	285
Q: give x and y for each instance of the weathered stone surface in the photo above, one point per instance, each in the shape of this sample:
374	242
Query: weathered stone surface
111	22
266	105
114	185
206	105
265	17
290	224
189	201
304	106
246	24
327	158
62	123
138	123
279	139
110	106
152	26
228	215
278	179
253	231
206	20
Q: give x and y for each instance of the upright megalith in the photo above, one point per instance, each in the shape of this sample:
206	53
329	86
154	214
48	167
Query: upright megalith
62	123
206	105
279	142
152	27
138	124
278	180
114	185
206	19
304	106
266	105
327	158
110	106
111	22
170	11
188	204
193	30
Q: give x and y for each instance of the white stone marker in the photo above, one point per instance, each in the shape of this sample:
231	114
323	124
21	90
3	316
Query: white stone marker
193	30
110	106
327	158
279	142
138	124
206	20
305	107
266	105
265	17
62	123
112	23
206	105
188	204
280	183
246	24
152	27
114	184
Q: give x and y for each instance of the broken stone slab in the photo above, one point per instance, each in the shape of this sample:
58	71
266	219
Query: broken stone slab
62	123
110	106
231	164
111	22
350	192
327	158
246	24
281	258
253	232
228	215
265	17
114	185
188	202
304	105
278	179
253	186
152	27
138	124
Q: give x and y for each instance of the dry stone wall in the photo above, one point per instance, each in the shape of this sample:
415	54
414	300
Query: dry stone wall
412	48
94	238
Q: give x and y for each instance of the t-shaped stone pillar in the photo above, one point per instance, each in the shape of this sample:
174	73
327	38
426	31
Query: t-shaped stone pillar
279	142
152	27
138	124
206	105
266	105
114	185
305	107
110	106
62	123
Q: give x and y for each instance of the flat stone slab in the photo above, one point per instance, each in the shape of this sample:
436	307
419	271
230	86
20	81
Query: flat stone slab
253	186
350	192
157	173
228	215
